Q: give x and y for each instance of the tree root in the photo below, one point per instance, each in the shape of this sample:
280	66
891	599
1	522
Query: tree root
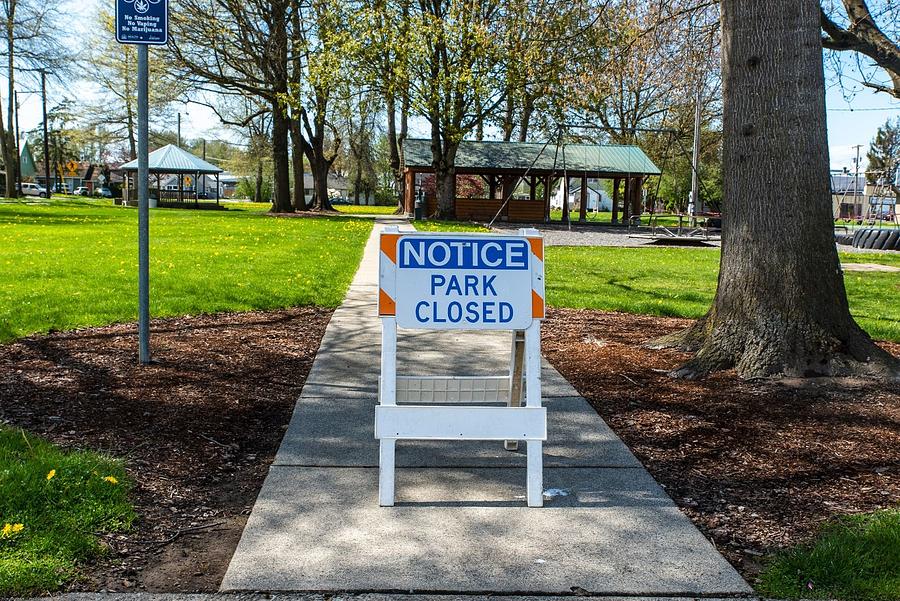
773	348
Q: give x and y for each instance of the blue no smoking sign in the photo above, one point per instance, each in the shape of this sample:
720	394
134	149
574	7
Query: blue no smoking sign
142	21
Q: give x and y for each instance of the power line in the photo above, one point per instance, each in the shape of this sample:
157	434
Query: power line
880	108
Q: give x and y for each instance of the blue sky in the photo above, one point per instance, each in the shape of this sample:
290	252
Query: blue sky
853	115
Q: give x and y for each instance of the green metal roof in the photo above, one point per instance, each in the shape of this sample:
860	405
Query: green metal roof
536	156
171	159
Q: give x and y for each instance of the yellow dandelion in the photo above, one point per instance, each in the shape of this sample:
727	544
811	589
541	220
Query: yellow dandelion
51	474
111	479
6	530
18	527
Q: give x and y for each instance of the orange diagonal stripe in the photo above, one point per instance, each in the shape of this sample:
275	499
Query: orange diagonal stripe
389	246
386	305
537	305
537	247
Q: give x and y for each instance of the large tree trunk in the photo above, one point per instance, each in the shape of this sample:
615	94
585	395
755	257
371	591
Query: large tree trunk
780	307
444	164
281	195
320	168
10	156
259	182
297	164
443	161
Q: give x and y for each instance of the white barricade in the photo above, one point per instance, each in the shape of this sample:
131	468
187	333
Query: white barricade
443	281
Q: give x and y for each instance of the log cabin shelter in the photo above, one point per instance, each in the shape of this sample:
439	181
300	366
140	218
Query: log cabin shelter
188	169
526	173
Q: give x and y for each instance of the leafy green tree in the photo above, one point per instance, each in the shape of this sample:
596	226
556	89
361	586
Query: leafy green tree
31	44
454	65
240	49
780	306
884	157
113	67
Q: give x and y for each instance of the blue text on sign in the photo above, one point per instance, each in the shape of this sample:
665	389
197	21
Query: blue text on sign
436	253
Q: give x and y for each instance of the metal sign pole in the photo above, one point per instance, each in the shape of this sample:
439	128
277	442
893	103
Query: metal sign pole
143	23
143	175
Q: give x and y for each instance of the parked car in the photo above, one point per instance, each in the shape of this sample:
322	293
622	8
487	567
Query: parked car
82	191
32	189
104	192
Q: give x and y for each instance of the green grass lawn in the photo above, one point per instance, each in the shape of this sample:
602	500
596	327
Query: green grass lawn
854	558
681	282
662	219
366	209
73	263
52	505
432	225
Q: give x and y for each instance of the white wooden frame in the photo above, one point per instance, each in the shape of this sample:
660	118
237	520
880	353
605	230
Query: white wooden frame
450	421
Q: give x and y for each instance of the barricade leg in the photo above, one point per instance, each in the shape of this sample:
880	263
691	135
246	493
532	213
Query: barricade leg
387	448
516	369
535	485
388	397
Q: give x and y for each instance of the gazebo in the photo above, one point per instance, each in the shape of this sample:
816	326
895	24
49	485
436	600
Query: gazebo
172	160
505	166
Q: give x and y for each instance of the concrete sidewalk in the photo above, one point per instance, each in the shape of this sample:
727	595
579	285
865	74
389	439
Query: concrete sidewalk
460	524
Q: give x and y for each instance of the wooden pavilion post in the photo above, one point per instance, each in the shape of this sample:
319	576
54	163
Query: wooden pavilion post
582	212
532	188
626	201
197	189
615	200
492	186
409	192
217	189
565	195
547	181
158	189
181	187
637	186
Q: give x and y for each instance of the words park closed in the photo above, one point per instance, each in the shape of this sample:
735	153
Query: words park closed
462	282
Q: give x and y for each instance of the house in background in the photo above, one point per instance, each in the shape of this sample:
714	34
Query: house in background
338	187
27	166
597	198
848	195
205	186
71	175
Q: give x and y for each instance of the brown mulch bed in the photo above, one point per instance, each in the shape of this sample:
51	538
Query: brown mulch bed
198	428
757	465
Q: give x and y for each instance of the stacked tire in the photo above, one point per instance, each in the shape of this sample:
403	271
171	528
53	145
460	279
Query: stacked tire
872	239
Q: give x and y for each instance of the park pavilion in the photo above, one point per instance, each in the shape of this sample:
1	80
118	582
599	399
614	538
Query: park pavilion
524	174
172	160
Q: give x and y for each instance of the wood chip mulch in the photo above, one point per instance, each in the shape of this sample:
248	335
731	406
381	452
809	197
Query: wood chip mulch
757	465
198	428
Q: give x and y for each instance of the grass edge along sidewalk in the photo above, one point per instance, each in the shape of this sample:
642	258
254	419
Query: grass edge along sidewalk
681	282
74	264
53	506
854	557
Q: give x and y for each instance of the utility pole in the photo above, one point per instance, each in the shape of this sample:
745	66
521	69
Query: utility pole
695	163
18	147
46	135
856	180
204	176
179	130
